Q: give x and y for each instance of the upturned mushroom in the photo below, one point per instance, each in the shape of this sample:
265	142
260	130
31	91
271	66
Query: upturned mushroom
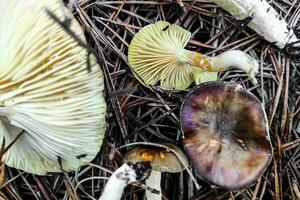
226	134
160	161
46	90
156	55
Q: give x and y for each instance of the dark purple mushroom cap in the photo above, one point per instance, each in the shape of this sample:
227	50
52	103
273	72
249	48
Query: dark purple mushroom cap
226	134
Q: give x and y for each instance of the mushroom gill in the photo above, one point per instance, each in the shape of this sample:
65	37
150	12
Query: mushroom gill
46	90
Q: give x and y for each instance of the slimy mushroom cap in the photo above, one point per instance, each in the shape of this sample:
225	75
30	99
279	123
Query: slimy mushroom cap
226	134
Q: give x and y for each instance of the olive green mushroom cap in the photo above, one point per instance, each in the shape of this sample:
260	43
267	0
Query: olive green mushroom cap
160	159
154	56
46	91
226	134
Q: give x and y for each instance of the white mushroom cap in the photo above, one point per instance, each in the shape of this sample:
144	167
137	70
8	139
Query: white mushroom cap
46	90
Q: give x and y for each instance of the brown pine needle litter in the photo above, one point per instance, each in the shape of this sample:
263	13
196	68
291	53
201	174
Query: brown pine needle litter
138	114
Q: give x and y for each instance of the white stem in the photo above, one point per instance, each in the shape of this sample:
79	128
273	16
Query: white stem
266	21
235	58
154	182
117	182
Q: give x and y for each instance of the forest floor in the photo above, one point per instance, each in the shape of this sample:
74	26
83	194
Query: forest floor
138	114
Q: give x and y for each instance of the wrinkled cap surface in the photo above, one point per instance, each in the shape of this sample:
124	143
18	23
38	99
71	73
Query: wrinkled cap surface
226	134
46	91
153	56
160	159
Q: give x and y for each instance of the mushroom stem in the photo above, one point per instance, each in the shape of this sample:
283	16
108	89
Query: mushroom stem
117	182
154	182
266	21
223	61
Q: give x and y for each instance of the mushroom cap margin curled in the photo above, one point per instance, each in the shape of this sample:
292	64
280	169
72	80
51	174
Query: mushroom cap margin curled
46	90
226	134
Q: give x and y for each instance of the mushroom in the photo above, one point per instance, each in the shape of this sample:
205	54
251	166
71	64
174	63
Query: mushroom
226	134
46	90
160	160
265	20
124	175
157	54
